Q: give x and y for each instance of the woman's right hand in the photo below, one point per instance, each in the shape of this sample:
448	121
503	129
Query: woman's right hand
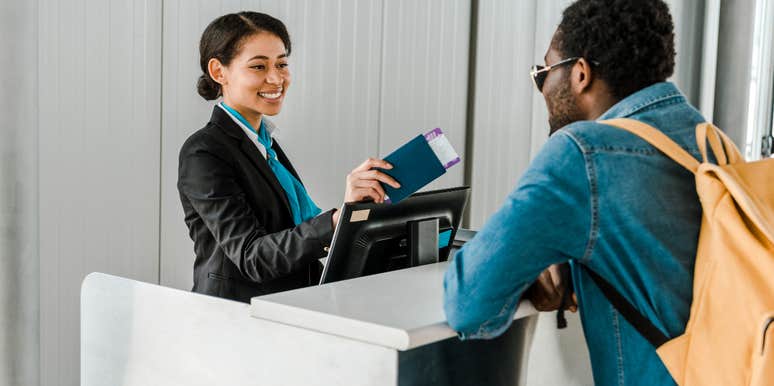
364	182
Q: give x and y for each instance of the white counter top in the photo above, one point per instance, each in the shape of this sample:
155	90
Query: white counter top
400	309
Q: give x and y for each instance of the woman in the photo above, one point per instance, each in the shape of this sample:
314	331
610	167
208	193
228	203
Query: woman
255	228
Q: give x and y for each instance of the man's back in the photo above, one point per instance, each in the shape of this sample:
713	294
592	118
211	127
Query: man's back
647	224
601	197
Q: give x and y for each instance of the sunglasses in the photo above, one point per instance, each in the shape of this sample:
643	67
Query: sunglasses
539	73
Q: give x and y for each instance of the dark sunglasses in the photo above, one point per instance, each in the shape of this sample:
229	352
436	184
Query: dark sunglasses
539	73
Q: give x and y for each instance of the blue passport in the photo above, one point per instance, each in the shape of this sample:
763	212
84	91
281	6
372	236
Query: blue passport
416	164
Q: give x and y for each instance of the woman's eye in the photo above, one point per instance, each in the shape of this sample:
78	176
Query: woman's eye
259	67
282	65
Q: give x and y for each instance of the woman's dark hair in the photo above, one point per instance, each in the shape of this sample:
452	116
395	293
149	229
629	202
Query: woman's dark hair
632	40
223	38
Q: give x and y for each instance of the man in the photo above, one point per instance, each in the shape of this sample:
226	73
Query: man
596	196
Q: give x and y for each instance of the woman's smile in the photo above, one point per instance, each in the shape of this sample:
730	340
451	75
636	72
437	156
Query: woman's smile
272	96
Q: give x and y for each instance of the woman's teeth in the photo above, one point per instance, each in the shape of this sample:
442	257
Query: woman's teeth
272	95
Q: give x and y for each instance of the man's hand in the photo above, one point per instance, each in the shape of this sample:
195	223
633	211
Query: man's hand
546	292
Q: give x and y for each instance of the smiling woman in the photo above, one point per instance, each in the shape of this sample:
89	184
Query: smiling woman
255	228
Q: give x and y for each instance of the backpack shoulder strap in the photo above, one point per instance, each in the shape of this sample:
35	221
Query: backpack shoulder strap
658	139
640	323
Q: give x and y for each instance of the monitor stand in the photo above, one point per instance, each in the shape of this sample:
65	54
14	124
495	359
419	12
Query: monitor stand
423	241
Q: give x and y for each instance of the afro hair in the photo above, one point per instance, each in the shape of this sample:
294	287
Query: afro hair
631	40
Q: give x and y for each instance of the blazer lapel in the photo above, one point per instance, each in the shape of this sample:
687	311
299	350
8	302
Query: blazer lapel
224	121
284	160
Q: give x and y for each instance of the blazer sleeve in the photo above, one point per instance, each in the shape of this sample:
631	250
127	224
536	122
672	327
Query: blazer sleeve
209	182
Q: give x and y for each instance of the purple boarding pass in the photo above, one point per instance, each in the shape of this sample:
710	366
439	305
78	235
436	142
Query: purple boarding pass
442	148
433	134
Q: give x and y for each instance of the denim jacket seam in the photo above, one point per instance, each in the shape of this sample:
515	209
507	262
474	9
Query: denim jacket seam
618	344
658	103
593	196
648	152
483	330
621	150
651	101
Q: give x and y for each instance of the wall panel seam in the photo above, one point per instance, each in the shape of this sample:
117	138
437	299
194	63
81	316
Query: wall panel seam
467	174
161	130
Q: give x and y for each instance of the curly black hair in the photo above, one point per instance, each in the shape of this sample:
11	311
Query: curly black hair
632	40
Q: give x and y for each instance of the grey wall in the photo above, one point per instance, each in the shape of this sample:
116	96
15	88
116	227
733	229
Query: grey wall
19	289
688	17
734	53
99	110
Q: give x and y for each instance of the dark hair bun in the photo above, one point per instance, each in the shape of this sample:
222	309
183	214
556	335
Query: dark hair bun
208	88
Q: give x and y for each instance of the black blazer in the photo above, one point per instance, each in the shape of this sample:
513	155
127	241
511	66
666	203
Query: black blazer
239	218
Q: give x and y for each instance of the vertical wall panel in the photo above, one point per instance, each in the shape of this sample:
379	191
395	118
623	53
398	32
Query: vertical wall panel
688	17
99	159
425	75
735	47
503	123
329	120
19	257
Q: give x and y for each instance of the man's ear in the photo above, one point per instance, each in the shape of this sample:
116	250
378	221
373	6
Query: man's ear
217	71
581	76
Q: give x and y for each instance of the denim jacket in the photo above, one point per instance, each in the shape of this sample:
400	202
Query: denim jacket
601	197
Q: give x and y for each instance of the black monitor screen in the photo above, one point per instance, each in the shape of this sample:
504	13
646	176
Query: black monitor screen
373	238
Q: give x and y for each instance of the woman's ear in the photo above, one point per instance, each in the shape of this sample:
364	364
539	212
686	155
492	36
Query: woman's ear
217	71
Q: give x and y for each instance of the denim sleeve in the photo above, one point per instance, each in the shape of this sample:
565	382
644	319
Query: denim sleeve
545	220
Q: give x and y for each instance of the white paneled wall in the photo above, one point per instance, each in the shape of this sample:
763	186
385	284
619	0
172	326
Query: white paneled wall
367	76
424	79
99	125
503	102
688	17
510	120
19	264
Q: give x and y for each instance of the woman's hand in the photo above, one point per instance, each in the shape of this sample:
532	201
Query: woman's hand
364	182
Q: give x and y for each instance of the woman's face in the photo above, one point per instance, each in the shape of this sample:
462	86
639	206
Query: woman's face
256	80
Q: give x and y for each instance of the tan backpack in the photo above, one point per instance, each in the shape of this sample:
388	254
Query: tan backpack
729	339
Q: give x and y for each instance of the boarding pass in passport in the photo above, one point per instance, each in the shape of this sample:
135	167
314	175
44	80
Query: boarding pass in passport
442	148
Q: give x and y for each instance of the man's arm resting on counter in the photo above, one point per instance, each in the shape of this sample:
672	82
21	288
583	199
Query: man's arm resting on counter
545	220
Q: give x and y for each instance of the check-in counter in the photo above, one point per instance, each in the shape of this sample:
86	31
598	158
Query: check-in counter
386	329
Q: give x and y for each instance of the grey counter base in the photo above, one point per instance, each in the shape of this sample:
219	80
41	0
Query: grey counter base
452	362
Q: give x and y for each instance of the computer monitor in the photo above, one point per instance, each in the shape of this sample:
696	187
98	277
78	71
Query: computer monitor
373	238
